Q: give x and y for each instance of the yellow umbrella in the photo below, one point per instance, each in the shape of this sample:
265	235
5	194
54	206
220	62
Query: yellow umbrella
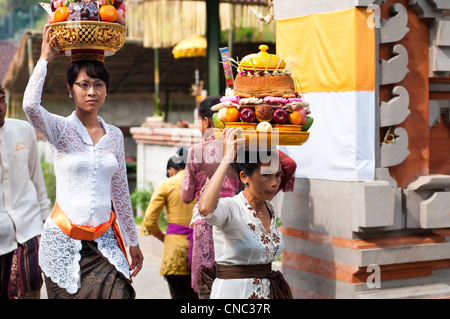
191	47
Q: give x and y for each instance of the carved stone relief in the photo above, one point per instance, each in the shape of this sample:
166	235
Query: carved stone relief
394	147
396	109
395	28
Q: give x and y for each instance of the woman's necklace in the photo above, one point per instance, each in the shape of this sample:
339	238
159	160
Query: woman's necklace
256	213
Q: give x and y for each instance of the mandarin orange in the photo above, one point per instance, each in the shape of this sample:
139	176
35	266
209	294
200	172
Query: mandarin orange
295	117
232	114
61	14
108	13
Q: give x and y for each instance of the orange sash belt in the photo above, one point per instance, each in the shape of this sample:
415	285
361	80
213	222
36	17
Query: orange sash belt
88	233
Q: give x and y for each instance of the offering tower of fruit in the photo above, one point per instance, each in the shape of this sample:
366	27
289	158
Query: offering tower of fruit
263	97
87	10
87	29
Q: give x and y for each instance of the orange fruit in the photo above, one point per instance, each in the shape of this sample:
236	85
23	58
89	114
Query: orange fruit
108	13
232	114
295	117
61	14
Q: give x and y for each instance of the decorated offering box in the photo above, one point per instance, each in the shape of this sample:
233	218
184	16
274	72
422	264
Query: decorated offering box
264	102
87	29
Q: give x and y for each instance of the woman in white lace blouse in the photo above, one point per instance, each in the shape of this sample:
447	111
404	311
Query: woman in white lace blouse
82	254
246	236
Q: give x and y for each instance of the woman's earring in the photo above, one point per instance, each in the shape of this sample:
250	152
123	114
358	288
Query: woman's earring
70	95
246	183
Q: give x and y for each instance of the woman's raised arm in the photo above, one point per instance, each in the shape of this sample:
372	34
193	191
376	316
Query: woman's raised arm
211	192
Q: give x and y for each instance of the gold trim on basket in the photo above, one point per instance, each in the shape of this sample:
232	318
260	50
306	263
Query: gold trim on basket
270	138
89	35
84	56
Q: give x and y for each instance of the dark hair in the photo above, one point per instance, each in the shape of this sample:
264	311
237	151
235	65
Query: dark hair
204	108
2	91
94	69
249	160
178	161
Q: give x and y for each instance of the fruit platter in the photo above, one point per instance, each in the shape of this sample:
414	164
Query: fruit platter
86	28
264	102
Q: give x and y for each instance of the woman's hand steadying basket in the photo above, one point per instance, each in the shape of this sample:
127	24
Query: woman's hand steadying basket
232	141
47	53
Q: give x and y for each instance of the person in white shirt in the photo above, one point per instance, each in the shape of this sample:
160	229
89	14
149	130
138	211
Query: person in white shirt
246	236
82	253
24	206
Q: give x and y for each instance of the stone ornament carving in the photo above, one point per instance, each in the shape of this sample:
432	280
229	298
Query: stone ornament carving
427	202
395	28
395	69
396	110
394	147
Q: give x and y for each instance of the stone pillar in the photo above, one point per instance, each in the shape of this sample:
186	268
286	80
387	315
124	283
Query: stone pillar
390	237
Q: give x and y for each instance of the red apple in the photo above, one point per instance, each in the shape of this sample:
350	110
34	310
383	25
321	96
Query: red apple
117	3
120	16
280	116
247	114
51	18
303	113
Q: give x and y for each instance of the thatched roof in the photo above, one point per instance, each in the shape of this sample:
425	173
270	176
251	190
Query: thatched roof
164	23
131	69
7	51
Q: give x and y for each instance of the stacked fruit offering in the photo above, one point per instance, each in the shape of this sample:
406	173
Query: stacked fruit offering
266	113
87	10
263	97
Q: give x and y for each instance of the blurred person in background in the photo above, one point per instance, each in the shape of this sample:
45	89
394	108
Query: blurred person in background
24	206
175	262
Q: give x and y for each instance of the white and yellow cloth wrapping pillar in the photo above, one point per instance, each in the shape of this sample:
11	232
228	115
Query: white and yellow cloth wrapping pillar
336	72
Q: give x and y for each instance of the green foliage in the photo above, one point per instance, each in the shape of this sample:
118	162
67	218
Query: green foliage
50	180
162	221
18	15
140	197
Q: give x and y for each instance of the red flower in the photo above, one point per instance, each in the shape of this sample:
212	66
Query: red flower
265	239
276	238
256	281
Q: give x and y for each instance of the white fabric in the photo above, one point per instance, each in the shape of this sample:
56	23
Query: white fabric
23	196
341	145
88	178
240	239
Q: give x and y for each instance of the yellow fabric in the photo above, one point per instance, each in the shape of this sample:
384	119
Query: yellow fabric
175	252
336	50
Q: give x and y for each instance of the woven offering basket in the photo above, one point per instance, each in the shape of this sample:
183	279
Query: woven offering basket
269	138
88	37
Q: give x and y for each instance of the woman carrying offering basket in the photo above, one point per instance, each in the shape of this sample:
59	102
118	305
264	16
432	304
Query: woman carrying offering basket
82	251
246	236
203	160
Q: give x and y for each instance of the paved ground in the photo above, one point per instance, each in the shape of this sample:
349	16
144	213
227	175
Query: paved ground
149	284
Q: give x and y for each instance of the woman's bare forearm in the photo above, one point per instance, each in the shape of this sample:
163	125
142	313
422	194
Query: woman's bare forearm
211	192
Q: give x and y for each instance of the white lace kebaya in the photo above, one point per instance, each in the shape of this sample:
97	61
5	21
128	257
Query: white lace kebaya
88	178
